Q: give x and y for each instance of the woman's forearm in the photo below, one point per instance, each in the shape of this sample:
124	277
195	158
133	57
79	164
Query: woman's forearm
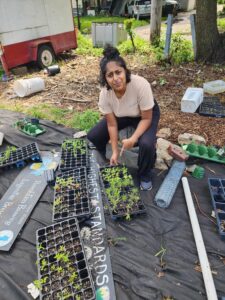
113	134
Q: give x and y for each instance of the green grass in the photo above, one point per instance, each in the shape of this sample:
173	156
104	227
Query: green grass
83	120
86	22
1	71
85	46
221	24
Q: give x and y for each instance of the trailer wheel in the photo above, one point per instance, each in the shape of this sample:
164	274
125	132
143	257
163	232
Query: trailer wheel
46	56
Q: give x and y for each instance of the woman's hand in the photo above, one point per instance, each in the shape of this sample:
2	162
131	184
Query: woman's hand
114	158
127	144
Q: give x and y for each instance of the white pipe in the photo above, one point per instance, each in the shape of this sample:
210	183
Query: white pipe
206	271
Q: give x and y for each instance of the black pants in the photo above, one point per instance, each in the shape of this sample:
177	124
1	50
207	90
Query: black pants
99	136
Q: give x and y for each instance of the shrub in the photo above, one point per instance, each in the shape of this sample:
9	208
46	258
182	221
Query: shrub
85	120
141	46
181	50
85	46
221	23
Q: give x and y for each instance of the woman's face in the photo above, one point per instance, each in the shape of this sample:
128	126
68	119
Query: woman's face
116	77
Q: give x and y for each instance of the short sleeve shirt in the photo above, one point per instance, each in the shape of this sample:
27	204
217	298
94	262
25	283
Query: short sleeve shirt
138	97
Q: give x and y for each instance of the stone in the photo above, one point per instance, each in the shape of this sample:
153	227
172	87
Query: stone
188	138
164	133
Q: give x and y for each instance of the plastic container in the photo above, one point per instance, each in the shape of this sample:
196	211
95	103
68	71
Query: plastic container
71	197
74	154
25	87
201	151
217	192
52	70
122	196
215	110
214	87
211	100
191	100
19	156
198	172
63	269
1	137
29	127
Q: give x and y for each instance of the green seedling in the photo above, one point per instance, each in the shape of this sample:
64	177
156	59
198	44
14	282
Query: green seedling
7	153
44	264
161	254
77	146
121	191
39	282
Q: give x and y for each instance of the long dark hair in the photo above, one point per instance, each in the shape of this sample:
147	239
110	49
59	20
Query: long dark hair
112	54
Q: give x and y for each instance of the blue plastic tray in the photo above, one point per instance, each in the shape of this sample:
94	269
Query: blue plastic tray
217	192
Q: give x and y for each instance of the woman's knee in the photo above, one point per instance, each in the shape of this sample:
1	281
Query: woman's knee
91	135
147	144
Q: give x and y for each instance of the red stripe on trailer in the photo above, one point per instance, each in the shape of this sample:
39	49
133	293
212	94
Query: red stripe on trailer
25	52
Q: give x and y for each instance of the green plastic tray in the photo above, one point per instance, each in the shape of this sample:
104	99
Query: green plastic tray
29	128
204	152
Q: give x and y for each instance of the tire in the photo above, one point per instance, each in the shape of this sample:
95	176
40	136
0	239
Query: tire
46	56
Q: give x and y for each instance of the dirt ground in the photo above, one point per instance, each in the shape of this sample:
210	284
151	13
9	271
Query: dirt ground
77	88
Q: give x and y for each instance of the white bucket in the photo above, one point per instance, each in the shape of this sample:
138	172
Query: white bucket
1	137
25	87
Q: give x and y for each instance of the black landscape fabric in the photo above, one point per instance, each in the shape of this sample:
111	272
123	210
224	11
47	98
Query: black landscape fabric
139	273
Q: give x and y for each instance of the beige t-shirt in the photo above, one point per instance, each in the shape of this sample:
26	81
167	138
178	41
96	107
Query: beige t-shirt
138	97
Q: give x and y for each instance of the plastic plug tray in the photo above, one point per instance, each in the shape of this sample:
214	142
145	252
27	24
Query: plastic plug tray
212	107
28	127
217	192
19	156
204	152
122	196
63	270
211	100
74	154
71	197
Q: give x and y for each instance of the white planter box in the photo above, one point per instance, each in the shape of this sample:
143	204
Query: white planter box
191	100
108	34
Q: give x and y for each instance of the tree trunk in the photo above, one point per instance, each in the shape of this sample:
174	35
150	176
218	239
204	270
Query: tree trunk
98	6
210	45
85	5
155	22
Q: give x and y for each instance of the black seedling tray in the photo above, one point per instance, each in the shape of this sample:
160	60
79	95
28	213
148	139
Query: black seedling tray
71	198
19	156
217	192
74	154
211	100
212	107
122	196
63	271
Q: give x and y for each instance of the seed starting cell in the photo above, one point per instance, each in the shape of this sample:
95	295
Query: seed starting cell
63	271
74	154
19	156
217	192
71	198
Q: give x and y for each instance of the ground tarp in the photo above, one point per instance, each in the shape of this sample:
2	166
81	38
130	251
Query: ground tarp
138	272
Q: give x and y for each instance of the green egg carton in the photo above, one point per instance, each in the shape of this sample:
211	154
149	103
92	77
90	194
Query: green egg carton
204	152
28	127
